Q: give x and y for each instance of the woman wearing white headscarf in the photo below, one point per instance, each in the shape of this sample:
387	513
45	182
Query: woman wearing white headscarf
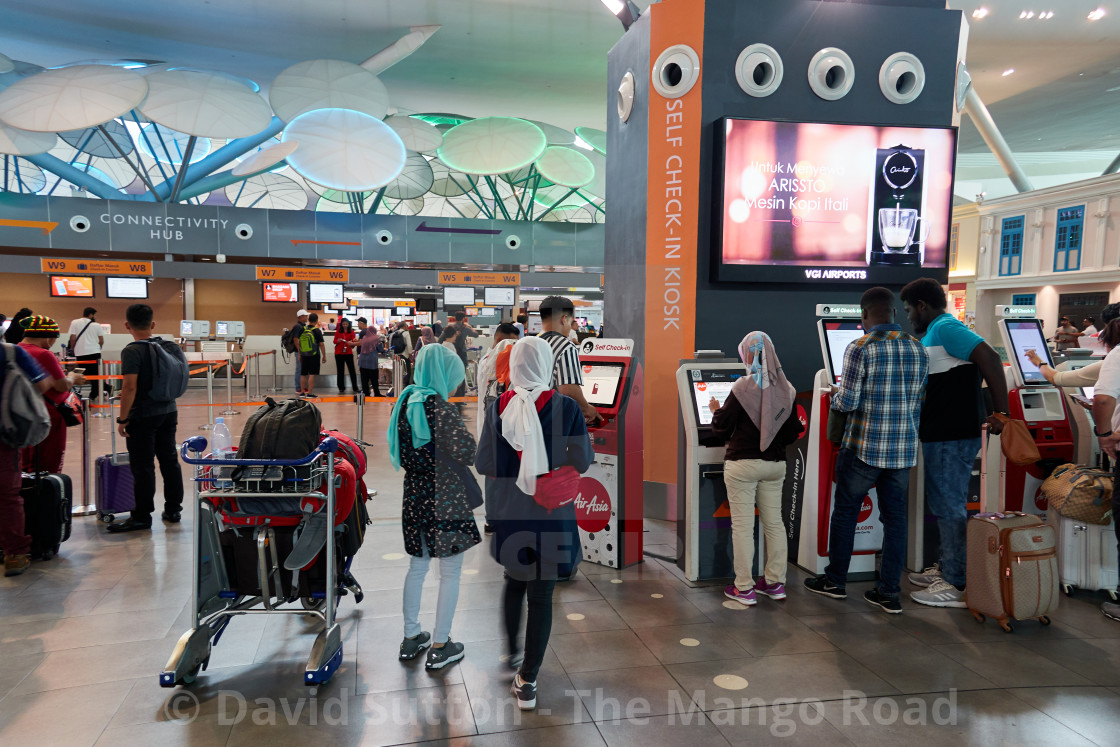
530	431
760	421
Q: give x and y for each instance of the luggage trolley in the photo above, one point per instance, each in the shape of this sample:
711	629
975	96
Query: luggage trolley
237	499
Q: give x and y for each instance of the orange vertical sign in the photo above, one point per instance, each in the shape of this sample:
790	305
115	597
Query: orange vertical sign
671	233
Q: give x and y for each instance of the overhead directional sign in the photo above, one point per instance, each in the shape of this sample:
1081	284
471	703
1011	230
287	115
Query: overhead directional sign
96	266
309	274
46	226
480	278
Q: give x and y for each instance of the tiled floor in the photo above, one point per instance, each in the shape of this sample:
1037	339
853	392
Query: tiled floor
82	638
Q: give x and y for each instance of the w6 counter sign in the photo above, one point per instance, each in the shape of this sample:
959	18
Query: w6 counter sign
593	506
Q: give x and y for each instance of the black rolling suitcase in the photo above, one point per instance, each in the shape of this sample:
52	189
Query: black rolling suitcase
47	503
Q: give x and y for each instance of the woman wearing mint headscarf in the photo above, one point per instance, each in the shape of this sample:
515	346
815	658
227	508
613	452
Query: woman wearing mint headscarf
427	435
760	421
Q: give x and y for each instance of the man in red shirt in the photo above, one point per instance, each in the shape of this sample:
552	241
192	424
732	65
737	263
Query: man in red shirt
39	334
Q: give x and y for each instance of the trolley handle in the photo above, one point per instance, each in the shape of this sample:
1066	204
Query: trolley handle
197	444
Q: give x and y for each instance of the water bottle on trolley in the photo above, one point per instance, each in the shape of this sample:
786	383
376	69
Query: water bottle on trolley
222	448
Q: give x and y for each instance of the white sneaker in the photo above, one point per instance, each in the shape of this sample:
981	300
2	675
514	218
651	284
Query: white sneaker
940	593
926	577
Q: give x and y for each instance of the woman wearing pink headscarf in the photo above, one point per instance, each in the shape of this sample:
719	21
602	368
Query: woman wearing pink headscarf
760	421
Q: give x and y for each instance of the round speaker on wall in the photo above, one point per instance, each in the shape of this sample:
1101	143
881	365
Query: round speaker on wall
831	73
902	78
759	70
676	71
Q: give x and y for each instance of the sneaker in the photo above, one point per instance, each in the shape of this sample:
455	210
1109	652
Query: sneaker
450	652
742	597
926	577
514	661
411	647
1111	610
821	585
487	529
890	605
525	692
17	564
940	593
774	591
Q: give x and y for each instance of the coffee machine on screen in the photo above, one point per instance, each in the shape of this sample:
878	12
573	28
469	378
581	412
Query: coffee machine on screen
897	227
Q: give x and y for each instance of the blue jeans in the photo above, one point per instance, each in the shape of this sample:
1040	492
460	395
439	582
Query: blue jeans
299	384
449	571
854	479
948	466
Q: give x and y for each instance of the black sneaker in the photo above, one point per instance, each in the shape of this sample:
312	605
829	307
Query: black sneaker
487	529
890	605
412	647
821	585
514	661
525	692
450	652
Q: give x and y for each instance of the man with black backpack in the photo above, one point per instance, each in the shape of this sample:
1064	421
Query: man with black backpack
400	346
289	342
23	422
312	354
155	375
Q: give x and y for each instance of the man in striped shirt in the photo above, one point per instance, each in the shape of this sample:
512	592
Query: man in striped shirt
557	314
881	390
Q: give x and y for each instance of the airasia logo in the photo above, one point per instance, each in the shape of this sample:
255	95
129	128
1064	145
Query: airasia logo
865	510
803	418
593	506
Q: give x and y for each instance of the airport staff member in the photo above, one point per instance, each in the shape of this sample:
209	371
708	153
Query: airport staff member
87	337
952	416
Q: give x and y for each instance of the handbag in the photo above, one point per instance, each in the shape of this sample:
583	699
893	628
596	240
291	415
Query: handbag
1080	493
463	472
1016	441
70	409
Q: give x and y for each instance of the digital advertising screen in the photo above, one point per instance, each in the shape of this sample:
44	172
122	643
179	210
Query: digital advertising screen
600	383
1026	335
71	286
711	383
498	296
126	287
280	292
458	296
812	202
325	293
836	335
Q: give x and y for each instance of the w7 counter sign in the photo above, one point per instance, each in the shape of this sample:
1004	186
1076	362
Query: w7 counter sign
593	506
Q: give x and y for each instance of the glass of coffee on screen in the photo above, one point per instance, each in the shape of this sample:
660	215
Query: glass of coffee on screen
896	228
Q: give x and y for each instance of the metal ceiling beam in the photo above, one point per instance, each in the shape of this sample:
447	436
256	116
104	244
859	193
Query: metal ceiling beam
982	118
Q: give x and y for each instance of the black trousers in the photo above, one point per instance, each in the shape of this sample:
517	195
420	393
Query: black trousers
538	627
369	376
347	361
150	440
90	369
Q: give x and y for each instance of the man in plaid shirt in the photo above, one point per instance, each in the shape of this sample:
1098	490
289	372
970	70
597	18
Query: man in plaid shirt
881	389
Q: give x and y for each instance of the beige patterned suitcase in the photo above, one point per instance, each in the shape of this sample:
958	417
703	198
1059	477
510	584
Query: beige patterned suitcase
1012	568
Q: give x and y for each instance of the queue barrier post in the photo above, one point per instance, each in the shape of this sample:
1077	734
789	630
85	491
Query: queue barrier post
209	398
229	388
274	389
101	413
361	427
87	507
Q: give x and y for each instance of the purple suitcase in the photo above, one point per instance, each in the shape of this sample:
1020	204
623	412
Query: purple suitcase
113	479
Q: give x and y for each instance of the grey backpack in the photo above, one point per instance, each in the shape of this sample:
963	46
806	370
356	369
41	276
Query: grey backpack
24	420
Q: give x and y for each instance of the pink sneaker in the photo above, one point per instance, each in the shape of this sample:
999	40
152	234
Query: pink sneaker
774	591
742	597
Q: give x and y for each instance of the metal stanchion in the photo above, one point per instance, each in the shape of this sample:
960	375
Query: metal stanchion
87	506
245	376
209	398
258	376
361	402
101	391
274	389
229	388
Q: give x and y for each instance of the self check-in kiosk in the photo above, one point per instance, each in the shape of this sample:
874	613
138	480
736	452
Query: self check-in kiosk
704	516
609	506
837	327
1042	406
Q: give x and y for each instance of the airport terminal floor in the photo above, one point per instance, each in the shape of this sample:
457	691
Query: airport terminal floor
637	656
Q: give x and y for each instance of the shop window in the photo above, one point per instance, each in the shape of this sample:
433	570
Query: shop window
1067	242
1011	246
1023	299
954	234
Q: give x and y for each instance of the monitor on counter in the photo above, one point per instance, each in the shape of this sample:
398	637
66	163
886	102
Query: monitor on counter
280	292
325	293
71	286
126	287
709	383
836	334
458	296
1020	337
498	296
601	383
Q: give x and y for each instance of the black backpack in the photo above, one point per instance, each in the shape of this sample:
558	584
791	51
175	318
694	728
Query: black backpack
170	371
285	430
290	338
397	343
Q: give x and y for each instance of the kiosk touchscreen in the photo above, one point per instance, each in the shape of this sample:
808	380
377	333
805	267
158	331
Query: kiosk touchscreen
610	503
835	336
1043	406
194	329
229	330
